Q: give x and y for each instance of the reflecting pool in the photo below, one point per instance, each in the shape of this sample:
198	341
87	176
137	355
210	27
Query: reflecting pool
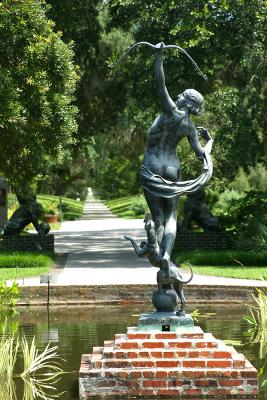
75	330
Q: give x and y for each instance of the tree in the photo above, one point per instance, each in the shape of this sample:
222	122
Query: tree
37	83
227	41
103	128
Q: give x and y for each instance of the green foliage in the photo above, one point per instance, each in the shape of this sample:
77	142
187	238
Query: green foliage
258	328
117	178
8	296
77	189
226	199
254	180
243	209
37	364
139	206
248	214
36	91
239	141
257	177
40	369
101	124
240	183
254	237
258	312
50	208
236	87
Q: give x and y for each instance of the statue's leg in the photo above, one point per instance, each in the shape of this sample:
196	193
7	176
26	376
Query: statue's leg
170	213
156	207
178	287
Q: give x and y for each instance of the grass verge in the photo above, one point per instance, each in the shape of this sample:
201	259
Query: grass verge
72	209
18	273
231	263
222	257
233	271
24	264
128	207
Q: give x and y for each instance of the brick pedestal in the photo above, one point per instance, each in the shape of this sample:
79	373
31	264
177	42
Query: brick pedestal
184	363
30	242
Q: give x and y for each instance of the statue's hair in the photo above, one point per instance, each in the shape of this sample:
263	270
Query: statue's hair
195	100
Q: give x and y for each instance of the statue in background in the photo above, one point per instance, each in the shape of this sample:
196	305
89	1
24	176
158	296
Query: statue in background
29	212
196	210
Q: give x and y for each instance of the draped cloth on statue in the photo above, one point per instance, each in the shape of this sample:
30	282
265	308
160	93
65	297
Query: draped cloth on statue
161	187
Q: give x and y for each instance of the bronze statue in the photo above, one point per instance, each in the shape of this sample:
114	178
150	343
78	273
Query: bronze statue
160	173
151	250
29	212
196	210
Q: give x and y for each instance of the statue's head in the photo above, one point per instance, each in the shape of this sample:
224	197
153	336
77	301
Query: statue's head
191	99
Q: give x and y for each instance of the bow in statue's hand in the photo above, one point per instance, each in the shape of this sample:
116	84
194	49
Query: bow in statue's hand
160	47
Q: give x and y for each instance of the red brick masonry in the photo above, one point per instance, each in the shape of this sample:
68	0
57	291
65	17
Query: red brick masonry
155	364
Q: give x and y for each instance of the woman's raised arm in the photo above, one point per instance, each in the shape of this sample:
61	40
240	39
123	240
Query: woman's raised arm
166	102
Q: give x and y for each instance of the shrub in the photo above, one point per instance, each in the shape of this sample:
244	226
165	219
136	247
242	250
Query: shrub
50	208
139	206
241	182
8	295
257	177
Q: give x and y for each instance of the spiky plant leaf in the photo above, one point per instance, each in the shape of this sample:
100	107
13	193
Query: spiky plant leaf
44	364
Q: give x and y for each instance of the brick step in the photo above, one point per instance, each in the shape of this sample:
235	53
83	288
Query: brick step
123	342
98	362
134	333
181	343
109	352
168	373
213	382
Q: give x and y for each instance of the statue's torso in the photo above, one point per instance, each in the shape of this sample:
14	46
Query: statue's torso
164	135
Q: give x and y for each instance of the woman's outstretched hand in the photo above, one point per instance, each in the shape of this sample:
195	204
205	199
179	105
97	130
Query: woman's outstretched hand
204	133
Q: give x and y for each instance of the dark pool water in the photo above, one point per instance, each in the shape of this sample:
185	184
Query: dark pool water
80	328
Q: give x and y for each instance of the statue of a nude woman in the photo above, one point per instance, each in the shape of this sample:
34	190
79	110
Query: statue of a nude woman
160	173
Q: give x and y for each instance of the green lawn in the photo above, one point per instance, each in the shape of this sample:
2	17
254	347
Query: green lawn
233	271
128	207
222	257
13	273
72	209
231	263
24	264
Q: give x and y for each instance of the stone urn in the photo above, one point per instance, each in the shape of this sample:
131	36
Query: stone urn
165	300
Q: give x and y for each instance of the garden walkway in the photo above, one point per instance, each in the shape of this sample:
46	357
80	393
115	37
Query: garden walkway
99	255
